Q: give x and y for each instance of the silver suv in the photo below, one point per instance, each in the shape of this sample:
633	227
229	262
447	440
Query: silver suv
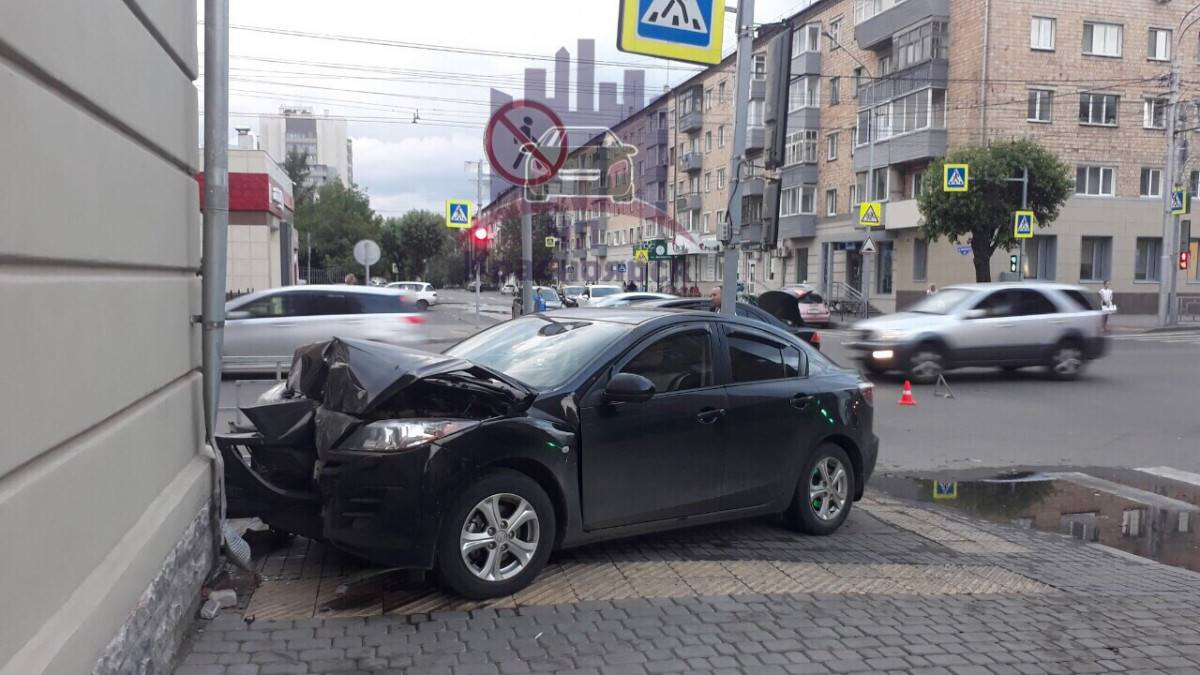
1010	325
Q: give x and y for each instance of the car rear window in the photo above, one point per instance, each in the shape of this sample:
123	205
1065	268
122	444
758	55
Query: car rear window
1083	300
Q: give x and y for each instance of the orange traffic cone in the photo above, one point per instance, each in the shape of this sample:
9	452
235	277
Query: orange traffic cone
907	398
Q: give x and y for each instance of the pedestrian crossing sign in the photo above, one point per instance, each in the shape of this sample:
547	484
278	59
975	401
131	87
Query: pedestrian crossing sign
957	178
1023	224
683	30
458	213
1180	204
551	242
870	214
641	255
943	489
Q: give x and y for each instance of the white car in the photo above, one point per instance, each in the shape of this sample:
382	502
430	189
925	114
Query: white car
595	292
422	294
263	329
510	289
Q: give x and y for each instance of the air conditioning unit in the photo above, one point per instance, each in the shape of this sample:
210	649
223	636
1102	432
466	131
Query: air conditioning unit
781	253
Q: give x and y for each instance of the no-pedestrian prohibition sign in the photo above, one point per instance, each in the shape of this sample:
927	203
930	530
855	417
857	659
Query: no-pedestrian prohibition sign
518	145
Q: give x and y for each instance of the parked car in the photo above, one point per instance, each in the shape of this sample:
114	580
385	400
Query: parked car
510	289
1009	325
423	294
629	298
550	432
263	329
597	291
572	296
744	310
548	295
796	306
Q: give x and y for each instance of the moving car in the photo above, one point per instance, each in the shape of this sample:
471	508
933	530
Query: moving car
572	295
796	306
744	310
510	289
422	293
1010	325
263	329
629	298
552	431
548	295
597	291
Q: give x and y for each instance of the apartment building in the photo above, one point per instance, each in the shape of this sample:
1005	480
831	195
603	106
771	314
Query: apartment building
320	137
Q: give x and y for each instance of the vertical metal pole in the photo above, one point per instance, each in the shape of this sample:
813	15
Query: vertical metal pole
308	275
1024	207
478	209
368	275
527	259
741	94
1166	276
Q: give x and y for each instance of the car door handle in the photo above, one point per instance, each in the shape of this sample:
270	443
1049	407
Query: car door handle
1005	325
709	415
801	401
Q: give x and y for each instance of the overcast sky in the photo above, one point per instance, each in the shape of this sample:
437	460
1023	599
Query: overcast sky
400	164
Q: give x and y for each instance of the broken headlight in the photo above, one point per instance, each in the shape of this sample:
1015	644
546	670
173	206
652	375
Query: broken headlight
393	435
275	394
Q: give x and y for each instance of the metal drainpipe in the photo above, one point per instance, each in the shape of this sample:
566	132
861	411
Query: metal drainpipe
216	226
983	84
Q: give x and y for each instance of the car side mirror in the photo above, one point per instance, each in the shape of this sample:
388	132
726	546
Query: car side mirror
975	314
628	388
237	314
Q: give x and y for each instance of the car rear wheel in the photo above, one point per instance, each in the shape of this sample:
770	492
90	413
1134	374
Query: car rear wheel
1066	360
496	537
825	492
926	364
423	305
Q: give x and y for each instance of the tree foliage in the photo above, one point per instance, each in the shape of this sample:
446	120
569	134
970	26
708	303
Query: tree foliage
296	166
339	217
509	252
414	240
983	216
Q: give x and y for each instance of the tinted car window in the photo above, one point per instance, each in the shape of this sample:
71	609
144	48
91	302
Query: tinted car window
1082	300
999	304
941	302
812	299
1031	303
753	360
539	351
378	304
793	362
267	308
675	363
323	304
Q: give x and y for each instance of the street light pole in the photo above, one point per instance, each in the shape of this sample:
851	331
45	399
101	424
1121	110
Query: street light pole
730	232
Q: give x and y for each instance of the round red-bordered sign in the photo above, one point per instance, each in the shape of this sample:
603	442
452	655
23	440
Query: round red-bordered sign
500	128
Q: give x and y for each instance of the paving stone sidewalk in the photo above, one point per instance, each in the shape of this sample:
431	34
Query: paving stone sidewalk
904	588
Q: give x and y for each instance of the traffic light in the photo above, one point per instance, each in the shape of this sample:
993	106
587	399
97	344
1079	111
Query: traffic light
1013	261
1185	257
479	235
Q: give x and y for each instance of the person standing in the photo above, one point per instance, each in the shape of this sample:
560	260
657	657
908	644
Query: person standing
714	298
1107	306
931	290
351	280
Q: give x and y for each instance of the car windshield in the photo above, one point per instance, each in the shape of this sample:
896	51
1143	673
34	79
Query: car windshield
601	291
942	302
572	290
539	351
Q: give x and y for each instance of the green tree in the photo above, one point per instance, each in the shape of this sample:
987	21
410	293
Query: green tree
509	252
415	239
296	166
337	219
984	215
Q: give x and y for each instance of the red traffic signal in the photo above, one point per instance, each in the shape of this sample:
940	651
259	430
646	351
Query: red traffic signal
480	235
1185	257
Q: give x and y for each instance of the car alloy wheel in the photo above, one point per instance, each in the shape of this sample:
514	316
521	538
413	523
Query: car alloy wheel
1067	361
499	537
828	489
926	365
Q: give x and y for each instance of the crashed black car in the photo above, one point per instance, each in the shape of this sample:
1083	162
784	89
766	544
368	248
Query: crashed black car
552	431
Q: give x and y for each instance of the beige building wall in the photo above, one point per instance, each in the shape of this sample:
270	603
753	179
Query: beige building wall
103	482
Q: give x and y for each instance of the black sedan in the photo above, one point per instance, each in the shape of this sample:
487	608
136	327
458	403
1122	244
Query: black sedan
552	431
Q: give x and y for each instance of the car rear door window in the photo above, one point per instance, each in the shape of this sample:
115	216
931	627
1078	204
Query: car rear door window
324	304
676	362
378	304
753	359
270	307
1033	303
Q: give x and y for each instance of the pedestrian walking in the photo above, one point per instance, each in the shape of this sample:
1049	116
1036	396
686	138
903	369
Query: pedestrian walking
351	280
931	290
1107	306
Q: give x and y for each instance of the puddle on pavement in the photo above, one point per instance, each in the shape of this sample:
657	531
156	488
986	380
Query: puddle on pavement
1152	512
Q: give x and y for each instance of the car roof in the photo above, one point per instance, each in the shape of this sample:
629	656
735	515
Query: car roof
337	288
604	286
631	315
997	285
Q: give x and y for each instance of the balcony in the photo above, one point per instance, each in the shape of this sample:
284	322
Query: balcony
690	201
901	215
878	20
909	147
657	137
692	161
754	186
803	226
758	90
756	138
806	63
653	174
598	250
691	122
920	76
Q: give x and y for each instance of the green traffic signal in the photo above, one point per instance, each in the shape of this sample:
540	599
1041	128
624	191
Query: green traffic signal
1012	263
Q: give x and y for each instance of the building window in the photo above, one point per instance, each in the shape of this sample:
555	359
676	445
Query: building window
1151	183
883	267
880	193
1146	265
1095	255
705	223
1194	182
1154	113
1096	181
1040	258
721	91
708	141
915	184
808	199
720	221
801	147
1102	39
760	67
859	76
920	259
708	181
1041	105
807	39
754	114
1041	33
804	93
835	90
1159	45
862	130
708	94
831	146
721	136
853	197
789	201
835	33
720	179
831	202
919	45
1099	109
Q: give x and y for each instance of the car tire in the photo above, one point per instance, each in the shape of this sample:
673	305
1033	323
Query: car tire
500	494
423	305
1067	360
810	511
926	364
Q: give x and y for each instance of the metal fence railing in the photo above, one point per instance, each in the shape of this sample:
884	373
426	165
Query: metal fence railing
265	372
1188	308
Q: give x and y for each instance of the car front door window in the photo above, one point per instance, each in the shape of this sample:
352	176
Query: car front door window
270	307
675	363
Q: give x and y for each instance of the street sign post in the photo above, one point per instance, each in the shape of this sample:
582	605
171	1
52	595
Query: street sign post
945	489
869	246
956	178
551	242
1180	202
458	213
657	250
367	253
867	251
870	214
1023	222
682	30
